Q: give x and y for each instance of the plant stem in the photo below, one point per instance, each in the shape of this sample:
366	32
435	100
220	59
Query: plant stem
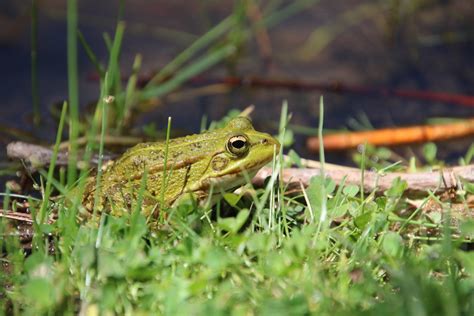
52	164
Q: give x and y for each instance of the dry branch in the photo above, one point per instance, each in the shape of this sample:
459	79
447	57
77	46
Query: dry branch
337	87
37	156
418	182
19	216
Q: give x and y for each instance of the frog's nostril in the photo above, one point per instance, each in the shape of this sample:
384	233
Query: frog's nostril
264	141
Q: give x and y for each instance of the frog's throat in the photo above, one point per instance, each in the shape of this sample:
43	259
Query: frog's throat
225	182
230	181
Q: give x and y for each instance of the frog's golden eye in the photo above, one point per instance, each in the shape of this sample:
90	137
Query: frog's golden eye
238	145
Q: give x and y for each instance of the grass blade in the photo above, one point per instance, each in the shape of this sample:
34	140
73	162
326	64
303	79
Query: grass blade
113	67
72	89
197	67
189	52
52	164
323	217
130	92
283	14
90	54
103	105
165	175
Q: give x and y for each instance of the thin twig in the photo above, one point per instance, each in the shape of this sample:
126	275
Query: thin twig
338	87
24	217
418	183
261	34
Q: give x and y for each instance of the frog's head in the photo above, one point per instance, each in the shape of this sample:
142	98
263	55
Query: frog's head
242	149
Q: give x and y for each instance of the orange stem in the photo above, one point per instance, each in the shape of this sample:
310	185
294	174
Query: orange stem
394	136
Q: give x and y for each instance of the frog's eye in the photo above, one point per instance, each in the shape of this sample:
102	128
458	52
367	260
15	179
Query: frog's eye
238	145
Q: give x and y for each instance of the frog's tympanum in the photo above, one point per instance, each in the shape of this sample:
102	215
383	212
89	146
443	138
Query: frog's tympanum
195	163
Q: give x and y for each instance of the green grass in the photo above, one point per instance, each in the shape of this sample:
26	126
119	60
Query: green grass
329	250
239	265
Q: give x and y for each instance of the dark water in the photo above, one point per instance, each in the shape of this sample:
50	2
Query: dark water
429	47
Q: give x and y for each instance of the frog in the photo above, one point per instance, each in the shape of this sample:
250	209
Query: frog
199	166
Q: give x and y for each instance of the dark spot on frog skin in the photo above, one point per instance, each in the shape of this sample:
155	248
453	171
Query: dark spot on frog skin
219	163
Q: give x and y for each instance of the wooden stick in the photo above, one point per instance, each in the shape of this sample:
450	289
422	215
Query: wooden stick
418	183
37	156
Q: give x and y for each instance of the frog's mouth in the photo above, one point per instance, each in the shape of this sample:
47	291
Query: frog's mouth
233	180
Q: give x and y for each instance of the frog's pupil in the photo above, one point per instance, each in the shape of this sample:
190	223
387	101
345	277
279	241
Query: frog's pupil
238	144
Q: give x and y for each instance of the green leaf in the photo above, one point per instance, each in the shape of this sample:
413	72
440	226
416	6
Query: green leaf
294	158
469	154
351	190
46	228
86	255
261	242
109	265
296	305
36	260
397	188
467	228
392	244
40	292
176	295
340	210
217	260
288	139
141	273
233	224
429	152
232	198
383	153
362	220
315	191
298	243
277	263
467	261
469	187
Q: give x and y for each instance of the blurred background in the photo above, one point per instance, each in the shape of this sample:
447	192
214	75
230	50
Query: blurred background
397	44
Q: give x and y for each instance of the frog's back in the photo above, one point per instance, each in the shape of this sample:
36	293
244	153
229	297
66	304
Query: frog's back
180	150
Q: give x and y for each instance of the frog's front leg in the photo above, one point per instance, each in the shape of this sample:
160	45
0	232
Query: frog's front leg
199	197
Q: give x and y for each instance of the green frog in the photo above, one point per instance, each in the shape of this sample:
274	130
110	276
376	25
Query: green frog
213	161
